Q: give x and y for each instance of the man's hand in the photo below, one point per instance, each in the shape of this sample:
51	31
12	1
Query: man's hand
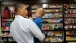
43	39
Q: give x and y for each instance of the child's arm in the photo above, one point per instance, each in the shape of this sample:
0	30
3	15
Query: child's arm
38	22
33	16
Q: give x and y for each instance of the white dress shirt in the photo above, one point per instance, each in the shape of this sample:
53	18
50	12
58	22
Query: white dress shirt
23	30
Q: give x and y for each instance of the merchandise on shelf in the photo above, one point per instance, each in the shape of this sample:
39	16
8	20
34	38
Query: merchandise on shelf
6	12
5	39
53	33
70	32
53	39
6	24
7	19
52	21
70	38
10	39
52	27
55	6
5	34
6	28
71	42
52	15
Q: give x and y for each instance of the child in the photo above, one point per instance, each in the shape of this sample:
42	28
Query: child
37	18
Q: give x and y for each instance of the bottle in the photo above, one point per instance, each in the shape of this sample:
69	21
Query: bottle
55	27
50	27
72	21
75	21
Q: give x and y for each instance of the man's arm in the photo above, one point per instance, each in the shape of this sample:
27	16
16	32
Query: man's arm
35	30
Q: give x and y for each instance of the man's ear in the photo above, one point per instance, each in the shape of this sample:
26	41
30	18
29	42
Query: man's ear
19	9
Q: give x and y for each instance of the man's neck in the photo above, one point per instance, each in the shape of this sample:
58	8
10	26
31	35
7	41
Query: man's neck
21	15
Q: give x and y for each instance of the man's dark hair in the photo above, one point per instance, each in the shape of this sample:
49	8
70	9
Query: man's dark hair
20	5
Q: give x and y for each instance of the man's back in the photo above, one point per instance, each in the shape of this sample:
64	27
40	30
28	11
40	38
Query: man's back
19	33
23	29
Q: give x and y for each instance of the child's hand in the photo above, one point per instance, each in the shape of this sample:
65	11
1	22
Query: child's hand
33	16
30	18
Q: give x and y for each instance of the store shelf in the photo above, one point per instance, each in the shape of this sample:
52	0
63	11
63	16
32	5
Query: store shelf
53	18
53	12
69	17
7	37
7	17
54	36
70	24
71	8
71	41
5	26
71	35
52	30
12	42
51	8
69	13
50	12
5	31
52	42
45	8
53	23
71	30
7	21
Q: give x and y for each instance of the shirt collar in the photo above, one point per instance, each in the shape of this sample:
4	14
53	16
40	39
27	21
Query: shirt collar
19	16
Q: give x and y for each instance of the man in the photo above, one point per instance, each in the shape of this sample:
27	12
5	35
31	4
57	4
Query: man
23	29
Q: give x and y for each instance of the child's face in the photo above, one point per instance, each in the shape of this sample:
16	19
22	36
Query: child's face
38	13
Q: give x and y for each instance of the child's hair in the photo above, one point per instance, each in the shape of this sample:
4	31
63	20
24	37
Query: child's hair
42	11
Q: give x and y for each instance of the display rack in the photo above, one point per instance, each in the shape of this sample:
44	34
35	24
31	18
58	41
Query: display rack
7	17
52	22
70	22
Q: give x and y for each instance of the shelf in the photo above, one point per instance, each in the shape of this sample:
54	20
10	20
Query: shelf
50	12
46	8
69	17
5	31
53	12
71	8
52	42
7	17
69	13
12	42
7	21
71	41
70	24
52	30
71	35
71	30
53	23
54	36
5	26
7	37
52	8
52	18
